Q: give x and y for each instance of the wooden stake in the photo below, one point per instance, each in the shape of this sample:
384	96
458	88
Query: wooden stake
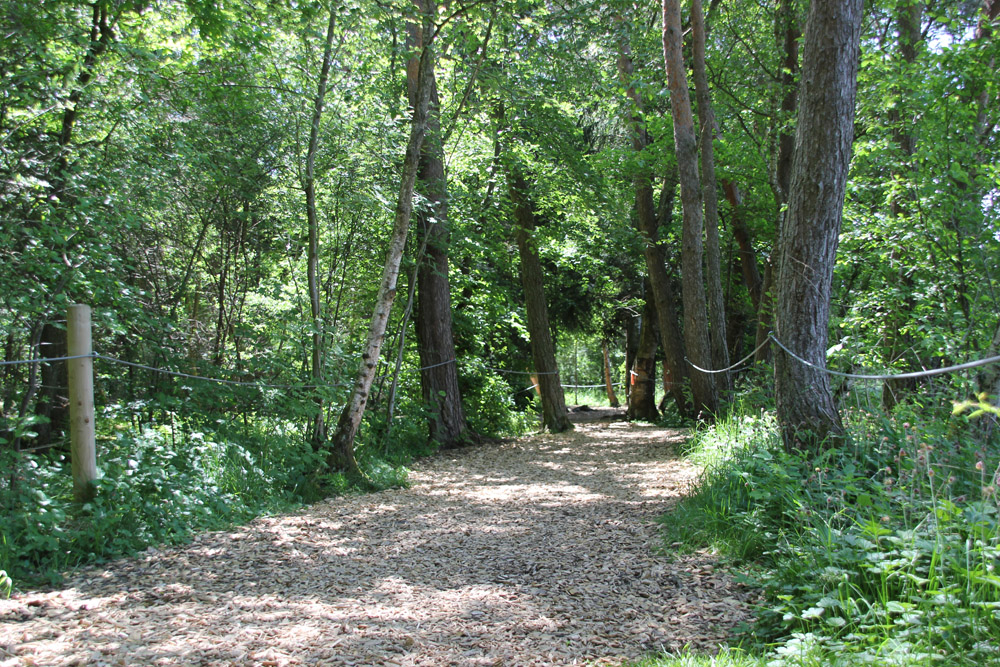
81	403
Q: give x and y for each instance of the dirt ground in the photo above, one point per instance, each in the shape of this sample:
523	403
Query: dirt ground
537	551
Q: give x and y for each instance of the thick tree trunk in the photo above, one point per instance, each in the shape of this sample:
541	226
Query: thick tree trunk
608	385
696	334
435	340
646	214
554	414
642	402
341	455
713	261
312	256
806	412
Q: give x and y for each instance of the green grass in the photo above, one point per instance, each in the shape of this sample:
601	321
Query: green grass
884	552
725	658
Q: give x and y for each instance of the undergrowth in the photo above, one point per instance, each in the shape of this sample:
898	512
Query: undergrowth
164	476
883	552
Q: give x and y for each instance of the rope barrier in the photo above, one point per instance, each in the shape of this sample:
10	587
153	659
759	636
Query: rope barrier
19	362
238	383
443	363
896	376
733	367
501	370
771	337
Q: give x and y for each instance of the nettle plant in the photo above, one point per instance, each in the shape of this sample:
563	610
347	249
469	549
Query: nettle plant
898	552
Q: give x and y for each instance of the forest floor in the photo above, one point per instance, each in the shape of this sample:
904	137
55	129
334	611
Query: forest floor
541	550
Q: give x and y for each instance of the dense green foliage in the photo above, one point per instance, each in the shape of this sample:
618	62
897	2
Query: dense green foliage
152	165
885	553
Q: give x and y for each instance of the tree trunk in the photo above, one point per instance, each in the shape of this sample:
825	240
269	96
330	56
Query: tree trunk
554	415
435	340
806	412
612	398
312	257
713	261
631	350
341	455
53	401
747	256
696	334
646	214
787	35
642	403
897	341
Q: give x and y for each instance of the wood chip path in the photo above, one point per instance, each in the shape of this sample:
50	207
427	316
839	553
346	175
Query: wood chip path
537	551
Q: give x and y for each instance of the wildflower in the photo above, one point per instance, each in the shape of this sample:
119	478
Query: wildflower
930	472
885	519
951	479
906	424
988	491
979	465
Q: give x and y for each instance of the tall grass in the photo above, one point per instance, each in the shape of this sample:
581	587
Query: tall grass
883	552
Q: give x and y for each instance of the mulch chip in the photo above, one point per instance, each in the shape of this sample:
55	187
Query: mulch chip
537	551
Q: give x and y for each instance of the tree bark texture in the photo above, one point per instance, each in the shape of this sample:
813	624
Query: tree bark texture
747	256
341	455
642	402
675	369
312	256
435	339
608	385
787	35
806	412
897	341
696	334
554	415
713	261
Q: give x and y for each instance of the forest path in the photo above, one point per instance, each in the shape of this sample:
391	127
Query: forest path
536	551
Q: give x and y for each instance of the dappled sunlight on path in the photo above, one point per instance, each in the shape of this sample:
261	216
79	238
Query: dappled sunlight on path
537	551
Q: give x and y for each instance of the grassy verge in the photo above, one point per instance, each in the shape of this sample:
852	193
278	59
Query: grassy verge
885	552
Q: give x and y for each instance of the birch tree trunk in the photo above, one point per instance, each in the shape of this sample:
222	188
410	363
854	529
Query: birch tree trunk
341	455
696	334
807	415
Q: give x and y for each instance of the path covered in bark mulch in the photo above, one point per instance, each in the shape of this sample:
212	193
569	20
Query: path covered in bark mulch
537	551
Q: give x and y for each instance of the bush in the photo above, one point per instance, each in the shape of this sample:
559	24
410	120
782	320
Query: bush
881	553
156	485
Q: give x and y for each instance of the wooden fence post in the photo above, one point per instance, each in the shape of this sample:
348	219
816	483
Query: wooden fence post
83	449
